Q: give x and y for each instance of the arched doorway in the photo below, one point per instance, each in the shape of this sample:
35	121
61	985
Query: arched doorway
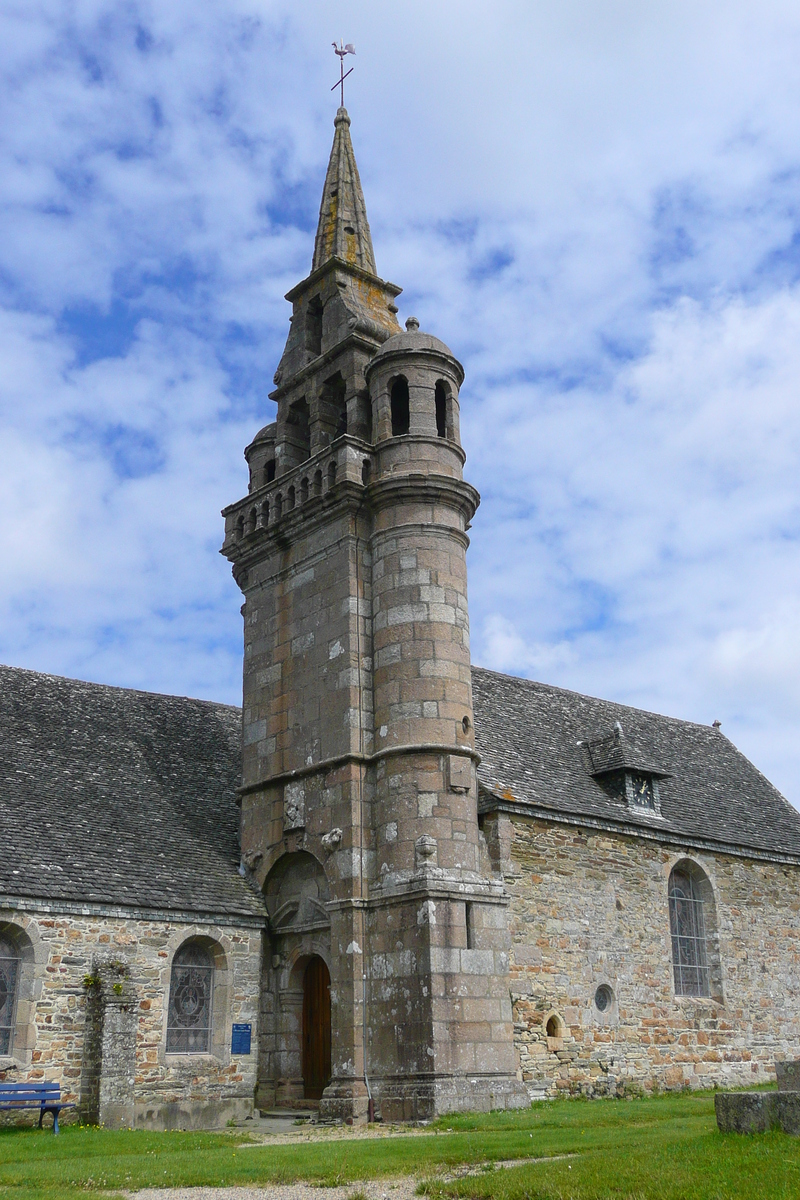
297	895
316	1028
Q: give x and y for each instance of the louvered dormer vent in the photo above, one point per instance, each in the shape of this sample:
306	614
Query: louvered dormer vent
627	772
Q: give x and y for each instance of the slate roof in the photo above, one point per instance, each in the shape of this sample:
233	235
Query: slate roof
528	735
128	798
119	797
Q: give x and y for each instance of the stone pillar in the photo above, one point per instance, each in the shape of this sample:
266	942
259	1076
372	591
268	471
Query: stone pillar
346	1096
109	1064
289	1090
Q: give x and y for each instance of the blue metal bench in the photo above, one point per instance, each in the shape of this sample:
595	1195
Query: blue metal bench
44	1096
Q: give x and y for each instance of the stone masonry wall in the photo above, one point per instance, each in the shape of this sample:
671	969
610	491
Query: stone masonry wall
590	908
58	952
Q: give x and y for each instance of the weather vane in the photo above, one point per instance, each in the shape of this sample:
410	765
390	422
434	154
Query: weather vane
341	50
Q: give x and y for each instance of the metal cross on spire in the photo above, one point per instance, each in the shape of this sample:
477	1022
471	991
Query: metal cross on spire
341	50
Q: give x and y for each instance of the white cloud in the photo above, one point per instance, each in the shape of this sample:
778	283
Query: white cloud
662	521
596	206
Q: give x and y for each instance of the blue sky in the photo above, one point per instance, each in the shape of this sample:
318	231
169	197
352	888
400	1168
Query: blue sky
596	205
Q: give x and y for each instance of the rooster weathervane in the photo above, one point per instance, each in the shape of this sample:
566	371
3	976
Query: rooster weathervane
342	50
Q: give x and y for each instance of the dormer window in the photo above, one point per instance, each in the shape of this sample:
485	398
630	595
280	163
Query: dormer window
627	772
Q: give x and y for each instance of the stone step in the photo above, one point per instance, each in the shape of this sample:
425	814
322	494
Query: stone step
290	1115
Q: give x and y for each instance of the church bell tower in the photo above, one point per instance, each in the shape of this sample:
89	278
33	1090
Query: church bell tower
359	793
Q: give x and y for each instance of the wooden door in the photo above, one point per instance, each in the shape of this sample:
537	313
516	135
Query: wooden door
316	1029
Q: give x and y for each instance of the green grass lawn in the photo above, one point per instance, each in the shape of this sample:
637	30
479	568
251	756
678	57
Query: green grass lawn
663	1148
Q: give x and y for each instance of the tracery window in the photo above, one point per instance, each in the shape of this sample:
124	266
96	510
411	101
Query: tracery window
190	1000
687	919
9	979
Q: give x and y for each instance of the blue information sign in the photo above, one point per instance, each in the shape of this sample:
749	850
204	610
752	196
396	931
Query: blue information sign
240	1039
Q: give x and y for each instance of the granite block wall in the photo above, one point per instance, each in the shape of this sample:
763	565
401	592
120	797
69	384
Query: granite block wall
589	908
56	1036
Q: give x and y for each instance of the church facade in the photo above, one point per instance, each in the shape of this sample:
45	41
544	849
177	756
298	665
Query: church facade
392	885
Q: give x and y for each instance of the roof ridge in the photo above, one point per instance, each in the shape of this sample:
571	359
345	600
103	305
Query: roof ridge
117	687
554	687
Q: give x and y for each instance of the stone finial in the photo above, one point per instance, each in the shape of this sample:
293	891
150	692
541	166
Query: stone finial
412	324
716	725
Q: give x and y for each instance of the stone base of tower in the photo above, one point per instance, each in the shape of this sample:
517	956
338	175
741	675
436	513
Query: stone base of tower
424	1098
345	1100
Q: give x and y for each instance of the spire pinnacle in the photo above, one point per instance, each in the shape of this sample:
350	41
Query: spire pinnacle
343	230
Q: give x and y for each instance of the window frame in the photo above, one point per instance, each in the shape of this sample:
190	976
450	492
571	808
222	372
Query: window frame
14	956
691	952
400	406
207	968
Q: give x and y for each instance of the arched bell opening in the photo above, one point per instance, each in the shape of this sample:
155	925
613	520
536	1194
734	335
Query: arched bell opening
440	396
399	403
296	434
331	415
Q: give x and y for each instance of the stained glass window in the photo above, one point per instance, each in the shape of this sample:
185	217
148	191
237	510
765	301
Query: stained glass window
688	928
190	999
9	974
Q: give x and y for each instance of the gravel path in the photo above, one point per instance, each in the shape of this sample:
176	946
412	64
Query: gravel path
402	1187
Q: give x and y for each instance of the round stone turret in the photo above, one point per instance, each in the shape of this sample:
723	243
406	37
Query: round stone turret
421	677
260	455
414	380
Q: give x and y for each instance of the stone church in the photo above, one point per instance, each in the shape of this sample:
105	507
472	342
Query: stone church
392	885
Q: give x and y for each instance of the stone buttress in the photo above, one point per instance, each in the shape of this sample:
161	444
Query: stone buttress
359	796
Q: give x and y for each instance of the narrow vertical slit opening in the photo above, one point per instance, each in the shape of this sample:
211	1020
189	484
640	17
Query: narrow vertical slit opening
469	914
400	407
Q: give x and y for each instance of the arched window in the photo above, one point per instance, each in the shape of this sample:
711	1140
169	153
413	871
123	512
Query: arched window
332	408
191	994
269	470
441	409
9	983
400	410
688	921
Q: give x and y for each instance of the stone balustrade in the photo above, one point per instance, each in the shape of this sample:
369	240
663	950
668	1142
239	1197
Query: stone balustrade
348	459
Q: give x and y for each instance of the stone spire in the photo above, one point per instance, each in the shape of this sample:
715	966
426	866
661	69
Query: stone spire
343	230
